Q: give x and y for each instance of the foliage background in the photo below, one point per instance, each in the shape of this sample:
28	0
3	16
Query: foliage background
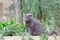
46	11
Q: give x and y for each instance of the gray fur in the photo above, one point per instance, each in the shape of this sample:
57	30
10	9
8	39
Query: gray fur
33	27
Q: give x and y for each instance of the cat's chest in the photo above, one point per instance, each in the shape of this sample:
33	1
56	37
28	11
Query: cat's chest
28	25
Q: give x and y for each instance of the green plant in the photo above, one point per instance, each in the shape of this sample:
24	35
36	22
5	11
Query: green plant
12	28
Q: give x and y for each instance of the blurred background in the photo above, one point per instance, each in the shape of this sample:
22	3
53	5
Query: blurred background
12	13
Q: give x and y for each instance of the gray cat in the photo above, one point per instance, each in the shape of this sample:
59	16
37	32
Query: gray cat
33	27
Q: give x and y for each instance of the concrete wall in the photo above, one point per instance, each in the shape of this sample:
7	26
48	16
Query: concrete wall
1	10
6	3
26	38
